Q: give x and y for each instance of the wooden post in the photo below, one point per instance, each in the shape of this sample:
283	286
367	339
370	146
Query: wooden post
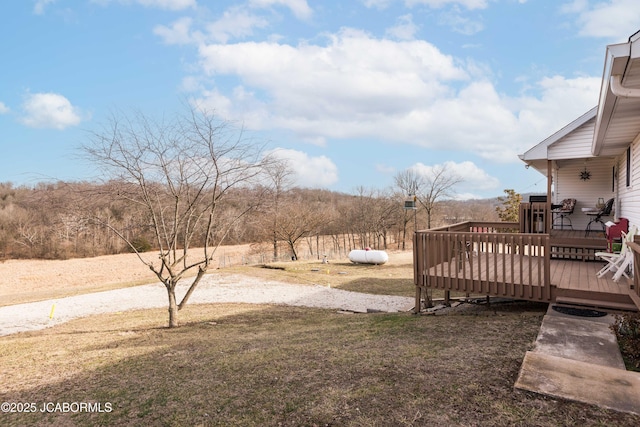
418	270
549	219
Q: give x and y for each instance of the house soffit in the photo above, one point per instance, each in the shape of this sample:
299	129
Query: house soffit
540	150
618	117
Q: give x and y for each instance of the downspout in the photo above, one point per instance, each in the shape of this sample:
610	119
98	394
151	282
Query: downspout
615	83
616	215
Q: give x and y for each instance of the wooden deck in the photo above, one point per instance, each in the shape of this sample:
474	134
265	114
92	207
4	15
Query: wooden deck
491	272
487	260
581	276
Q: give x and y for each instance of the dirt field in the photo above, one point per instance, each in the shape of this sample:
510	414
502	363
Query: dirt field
35	280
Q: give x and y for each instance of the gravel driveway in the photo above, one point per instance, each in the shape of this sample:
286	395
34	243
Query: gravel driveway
212	289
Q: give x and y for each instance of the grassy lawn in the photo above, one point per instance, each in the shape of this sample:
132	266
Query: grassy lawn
251	365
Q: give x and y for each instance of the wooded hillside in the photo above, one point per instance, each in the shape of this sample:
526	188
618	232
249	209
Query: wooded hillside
69	219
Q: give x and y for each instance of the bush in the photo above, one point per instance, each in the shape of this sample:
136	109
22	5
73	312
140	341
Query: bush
627	330
141	244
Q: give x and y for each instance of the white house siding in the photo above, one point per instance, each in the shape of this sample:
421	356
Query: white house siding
630	196
575	145
567	184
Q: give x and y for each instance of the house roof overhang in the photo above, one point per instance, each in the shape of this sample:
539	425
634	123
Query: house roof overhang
537	156
618	118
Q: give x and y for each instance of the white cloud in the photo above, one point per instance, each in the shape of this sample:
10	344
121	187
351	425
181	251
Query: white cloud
178	33
469	4
3	108
405	28
49	110
212	100
435	4
310	172
168	4
351	80
473	179
38	8
378	4
357	86
613	19
385	169
235	23
459	23
300	8
159	4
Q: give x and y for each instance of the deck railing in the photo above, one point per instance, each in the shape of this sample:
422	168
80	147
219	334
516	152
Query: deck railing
534	218
482	259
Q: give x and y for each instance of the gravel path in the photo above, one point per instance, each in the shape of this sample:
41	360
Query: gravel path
212	289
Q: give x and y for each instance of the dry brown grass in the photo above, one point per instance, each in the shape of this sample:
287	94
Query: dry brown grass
241	365
249	365
392	278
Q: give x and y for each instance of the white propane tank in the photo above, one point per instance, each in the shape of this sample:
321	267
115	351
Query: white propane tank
368	256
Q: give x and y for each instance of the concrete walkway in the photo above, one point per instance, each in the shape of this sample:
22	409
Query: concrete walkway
577	358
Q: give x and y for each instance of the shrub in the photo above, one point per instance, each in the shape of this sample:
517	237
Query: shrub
141	244
627	330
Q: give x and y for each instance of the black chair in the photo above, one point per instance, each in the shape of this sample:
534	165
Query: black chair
596	216
563	211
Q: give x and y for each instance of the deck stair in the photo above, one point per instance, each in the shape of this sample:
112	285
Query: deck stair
597	300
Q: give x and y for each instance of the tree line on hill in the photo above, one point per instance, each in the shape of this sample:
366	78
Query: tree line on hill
62	220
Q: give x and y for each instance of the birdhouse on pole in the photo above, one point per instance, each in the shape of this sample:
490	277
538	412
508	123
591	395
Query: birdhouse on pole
410	204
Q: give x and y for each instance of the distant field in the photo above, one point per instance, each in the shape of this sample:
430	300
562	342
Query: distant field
36	280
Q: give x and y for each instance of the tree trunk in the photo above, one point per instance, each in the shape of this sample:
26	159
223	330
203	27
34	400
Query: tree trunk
195	282
275	246
294	254
173	307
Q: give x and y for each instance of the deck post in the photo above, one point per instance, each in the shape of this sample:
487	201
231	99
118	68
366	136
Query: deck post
549	219
418	256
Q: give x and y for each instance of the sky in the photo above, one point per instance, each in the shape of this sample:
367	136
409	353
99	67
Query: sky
351	91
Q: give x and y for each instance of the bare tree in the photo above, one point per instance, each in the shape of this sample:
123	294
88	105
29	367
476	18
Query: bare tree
408	181
180	172
281	176
301	219
429	188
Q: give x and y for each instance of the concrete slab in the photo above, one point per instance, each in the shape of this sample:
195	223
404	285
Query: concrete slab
580	381
586	339
578	358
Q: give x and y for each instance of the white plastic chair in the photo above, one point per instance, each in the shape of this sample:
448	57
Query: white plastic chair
621	267
618	263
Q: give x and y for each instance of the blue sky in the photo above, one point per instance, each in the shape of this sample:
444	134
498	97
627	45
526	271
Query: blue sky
351	91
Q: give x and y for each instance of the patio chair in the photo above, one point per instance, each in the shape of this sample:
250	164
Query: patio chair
619	262
562	212
597	216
